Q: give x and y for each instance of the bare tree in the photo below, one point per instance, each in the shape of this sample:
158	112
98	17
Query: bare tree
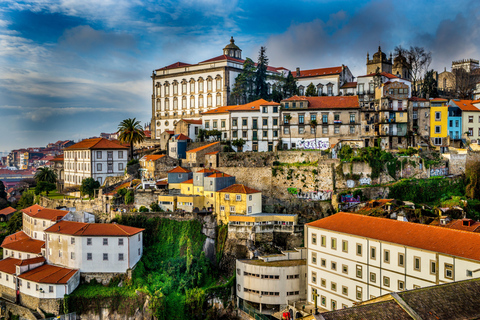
419	60
465	82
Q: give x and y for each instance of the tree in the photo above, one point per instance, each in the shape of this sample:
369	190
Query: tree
419	60
15	223
288	118
131	132
277	96
239	143
465	82
261	86
429	85
242	91
313	124
26	200
88	186
154	207
290	87
44	186
311	90
472	174
46	174
129	197
3	196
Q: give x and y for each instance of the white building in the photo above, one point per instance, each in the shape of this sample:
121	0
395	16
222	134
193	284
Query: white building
96	158
327	81
352	258
268	283
20	246
94	247
257	123
36	219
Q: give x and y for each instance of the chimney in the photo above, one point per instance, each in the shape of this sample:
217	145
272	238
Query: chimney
298	72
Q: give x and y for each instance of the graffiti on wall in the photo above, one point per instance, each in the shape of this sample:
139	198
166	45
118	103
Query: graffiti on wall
349	198
319	144
350	183
365	180
438	172
319	195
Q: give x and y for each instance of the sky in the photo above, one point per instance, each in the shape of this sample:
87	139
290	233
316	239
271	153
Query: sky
71	69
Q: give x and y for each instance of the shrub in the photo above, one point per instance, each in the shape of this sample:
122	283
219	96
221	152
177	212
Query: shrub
143	209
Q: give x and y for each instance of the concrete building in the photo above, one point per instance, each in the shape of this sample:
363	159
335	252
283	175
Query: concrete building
20	246
353	258
419	121
454	126
36	219
269	282
318	122
96	158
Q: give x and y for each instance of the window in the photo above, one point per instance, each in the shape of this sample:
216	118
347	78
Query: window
301	130
120	242
325	130
286	130
265	122
314	277
345	246
238	197
345	290
386	281
352	117
105	257
99	167
28	285
401	285
359	249
334	243
433	267
333	286
323	283
323	300
244	122
469	273
373	277
214	124
438	129
275	109
359	293
438	116
386	256
401	260
120	257
265	134
373	253
333	302
301	118
470	119
323	241
359	271
207	125
234	134
99	154
275	134
89	241
222	208
89	256
416	263
50	289
448	271
323	263
336	129
344	268
227	196
314	238
244	134
275	121
234	122
250	209
314	257
105	241
120	167
232	208
139	251
334	265
72	240
72	255
437	141
352	129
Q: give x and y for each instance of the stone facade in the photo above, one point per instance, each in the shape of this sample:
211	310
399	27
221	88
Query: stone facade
267	159
146	197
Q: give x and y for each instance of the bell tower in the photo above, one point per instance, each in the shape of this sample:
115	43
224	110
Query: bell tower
232	50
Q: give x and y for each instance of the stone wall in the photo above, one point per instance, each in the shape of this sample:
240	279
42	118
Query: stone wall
263	159
457	163
101	277
97	206
17	310
46	305
146	197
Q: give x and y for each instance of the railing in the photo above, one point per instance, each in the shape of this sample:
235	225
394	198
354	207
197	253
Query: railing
69	316
252	312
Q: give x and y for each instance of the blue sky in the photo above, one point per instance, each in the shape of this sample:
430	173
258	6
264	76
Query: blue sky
72	69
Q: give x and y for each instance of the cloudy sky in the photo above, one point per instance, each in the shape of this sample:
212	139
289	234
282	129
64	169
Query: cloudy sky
71	69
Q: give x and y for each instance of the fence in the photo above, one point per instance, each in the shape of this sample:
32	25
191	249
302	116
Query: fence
252	312
69	316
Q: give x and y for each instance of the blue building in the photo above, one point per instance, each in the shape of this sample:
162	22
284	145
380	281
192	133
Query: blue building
177	176
177	146
454	121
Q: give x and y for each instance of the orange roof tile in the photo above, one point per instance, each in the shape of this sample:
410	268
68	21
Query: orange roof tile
465	105
8	265
251	106
175	65
26	262
218	174
152	157
349	85
181	136
179	170
417	99
7	211
170	131
92	229
432	238
49	274
20	241
208	170
223	109
318	72
192	121
32	210
49	214
189	181
204	147
239	188
335	102
214	152
59	158
96	143
439	99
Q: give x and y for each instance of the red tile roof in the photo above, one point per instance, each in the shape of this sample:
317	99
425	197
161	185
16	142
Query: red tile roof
96	143
417	99
458	225
189	181
59	158
148	133
219	174
223	57
181	136
179	170
8	265
7	211
49	214
318	72
336	102
20	241
170	131
162	183
152	157
252	106
432	238
349	85
32	210
439	99
223	109
92	229
239	188
204	147
193	121
49	274
214	152
175	65
26	262
465	105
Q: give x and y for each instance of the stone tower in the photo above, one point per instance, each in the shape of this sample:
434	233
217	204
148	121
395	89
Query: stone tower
379	61
401	68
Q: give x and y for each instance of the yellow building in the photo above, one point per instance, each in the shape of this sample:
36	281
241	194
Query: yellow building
237	199
190	202
264	222
186	187
147	165
167	202
439	122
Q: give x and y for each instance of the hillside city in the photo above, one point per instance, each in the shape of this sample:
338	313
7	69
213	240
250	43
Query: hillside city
257	192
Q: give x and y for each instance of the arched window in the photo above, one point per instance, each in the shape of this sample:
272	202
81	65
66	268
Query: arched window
200	101
175	104
158	89
320	89
219	100
184	102
192	86
209	101
200	85
167	104
218	83
444	84
184	86
159	105
192	102
175	88
167	88
209	84
301	90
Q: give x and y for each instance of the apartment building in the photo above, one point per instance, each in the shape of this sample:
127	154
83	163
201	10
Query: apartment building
96	158
237	199
36	219
439	122
419	120
469	118
353	258
327	81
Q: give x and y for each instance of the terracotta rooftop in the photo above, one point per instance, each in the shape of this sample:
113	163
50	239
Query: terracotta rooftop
335	102
349	85
417	99
7	211
189	181
20	241
465	105
8	265
32	210
26	262
251	106
385	74
92	229
152	157
96	143
214	152
204	147
439	99
49	274
59	158
414	235
208	170
179	170
239	188
318	72
460	224
175	65
219	174
181	136
193	121
49	214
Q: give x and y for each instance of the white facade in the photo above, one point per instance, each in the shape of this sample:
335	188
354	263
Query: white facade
344	269
327	81
93	163
17	254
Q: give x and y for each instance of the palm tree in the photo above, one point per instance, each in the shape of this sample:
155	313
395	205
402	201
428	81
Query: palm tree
313	124
288	118
46	174
131	132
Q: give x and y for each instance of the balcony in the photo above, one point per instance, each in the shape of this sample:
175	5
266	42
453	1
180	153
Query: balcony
337	121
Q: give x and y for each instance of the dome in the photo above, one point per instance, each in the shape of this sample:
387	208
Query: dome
231	45
379	54
400	61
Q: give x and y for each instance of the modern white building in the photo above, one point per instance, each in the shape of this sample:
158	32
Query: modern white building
353	258
96	158
269	282
94	247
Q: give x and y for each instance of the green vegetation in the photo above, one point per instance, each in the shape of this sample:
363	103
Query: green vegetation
131	132
428	191
173	272
46	174
88	186
44	186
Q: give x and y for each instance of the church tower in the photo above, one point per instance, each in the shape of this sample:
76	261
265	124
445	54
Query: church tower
401	68
379	61
232	50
